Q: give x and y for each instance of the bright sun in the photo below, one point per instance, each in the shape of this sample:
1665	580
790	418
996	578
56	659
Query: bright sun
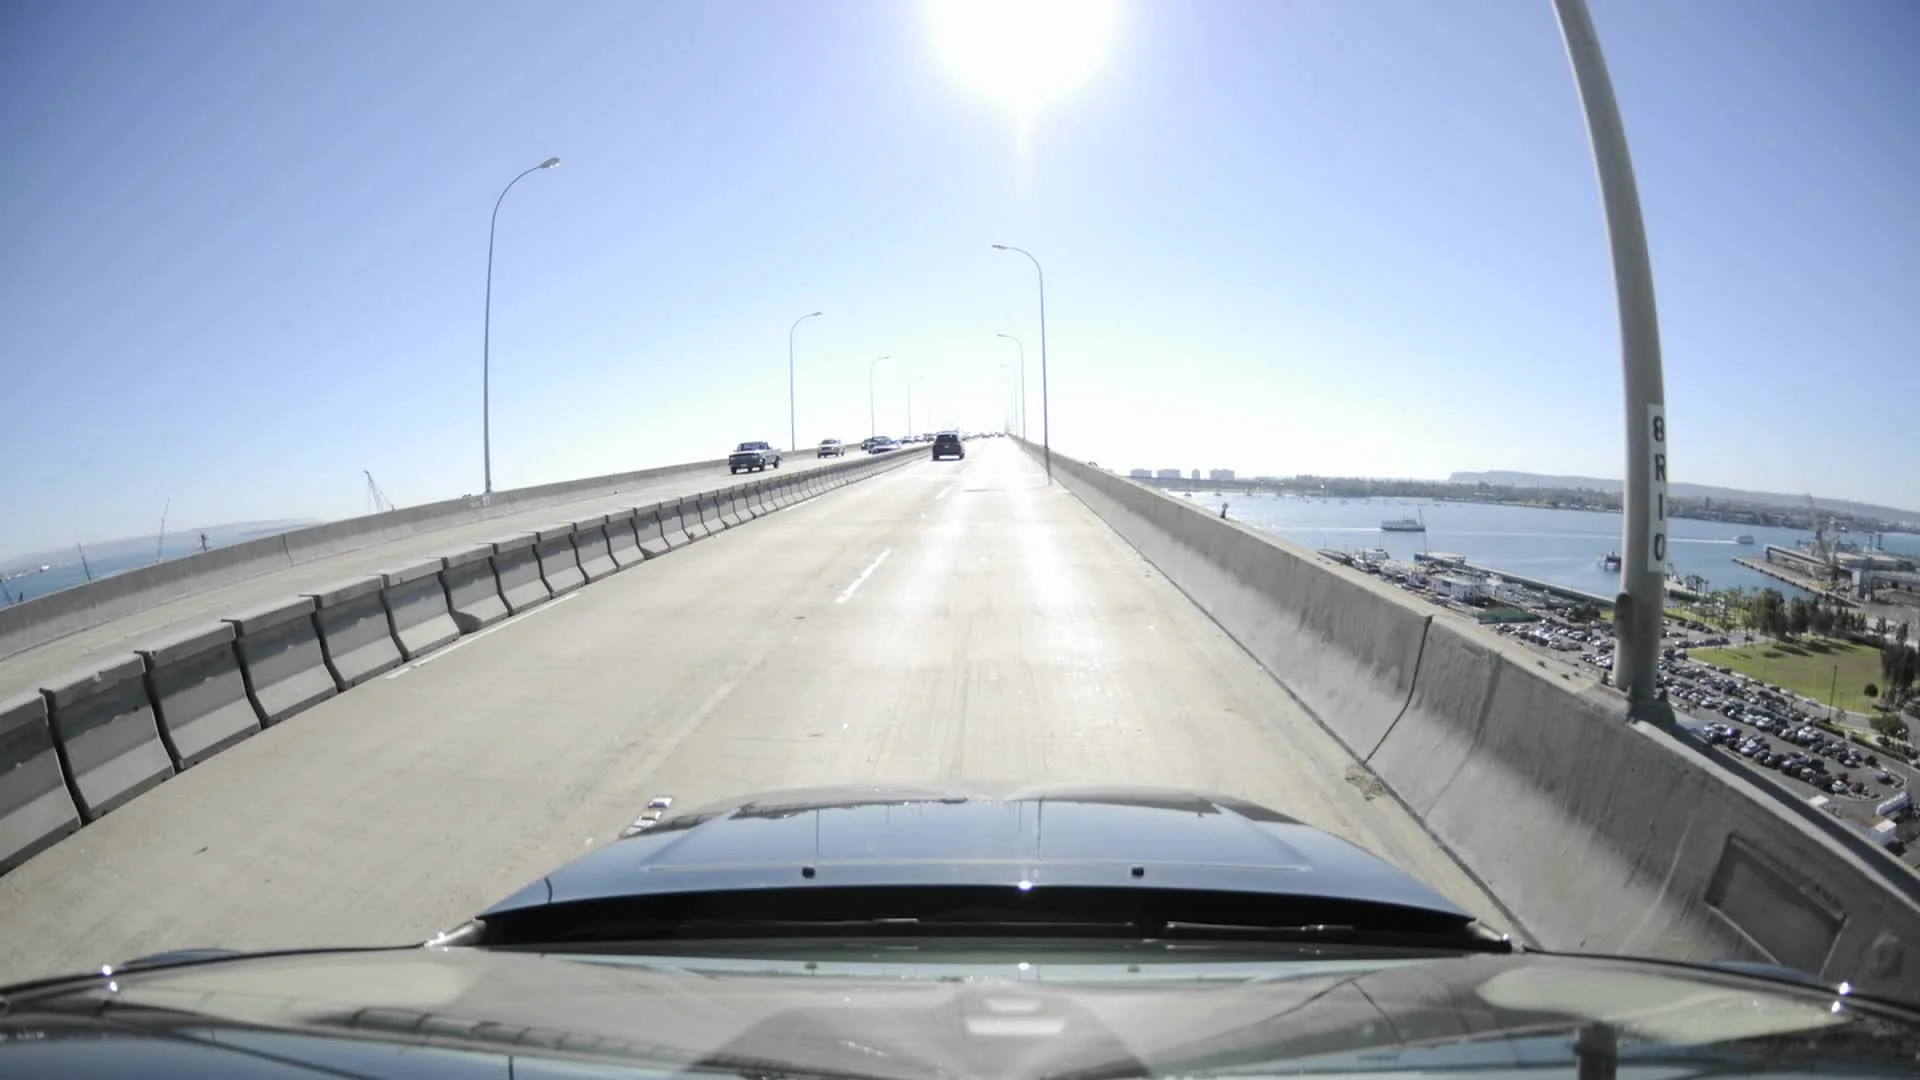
1022	53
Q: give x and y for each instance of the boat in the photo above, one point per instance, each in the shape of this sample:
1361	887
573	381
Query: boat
1404	525
1744	538
1610	561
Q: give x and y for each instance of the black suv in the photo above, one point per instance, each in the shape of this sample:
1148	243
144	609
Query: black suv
947	444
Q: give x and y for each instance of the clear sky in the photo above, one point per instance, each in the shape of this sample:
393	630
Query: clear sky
245	243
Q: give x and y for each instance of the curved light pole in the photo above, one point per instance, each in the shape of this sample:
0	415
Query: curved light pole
1046	442
910	385
1639	607
486	335
1022	346
873	425
793	431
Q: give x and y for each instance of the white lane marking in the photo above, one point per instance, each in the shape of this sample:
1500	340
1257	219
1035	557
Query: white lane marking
944	492
471	638
864	575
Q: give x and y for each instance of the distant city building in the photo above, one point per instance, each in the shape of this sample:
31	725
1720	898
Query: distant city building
1196	474
1220	474
1168	474
1141	474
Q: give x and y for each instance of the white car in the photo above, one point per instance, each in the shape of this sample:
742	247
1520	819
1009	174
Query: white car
831	448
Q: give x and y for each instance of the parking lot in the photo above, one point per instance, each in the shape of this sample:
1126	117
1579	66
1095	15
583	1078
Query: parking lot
1766	732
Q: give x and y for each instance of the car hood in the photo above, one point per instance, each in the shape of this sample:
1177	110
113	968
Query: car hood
1028	838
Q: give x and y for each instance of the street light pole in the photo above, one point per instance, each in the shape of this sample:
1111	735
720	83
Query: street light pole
793	430
1639	607
1022	346
873	424
486	336
1046	441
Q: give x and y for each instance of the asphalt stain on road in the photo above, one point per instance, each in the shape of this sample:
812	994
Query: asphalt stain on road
1369	785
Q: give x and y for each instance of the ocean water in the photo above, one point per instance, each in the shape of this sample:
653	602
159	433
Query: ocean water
1559	546
68	572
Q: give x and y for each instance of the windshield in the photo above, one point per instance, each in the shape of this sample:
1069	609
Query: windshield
1378	481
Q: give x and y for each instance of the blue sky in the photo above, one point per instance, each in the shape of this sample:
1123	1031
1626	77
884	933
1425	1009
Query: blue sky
246	243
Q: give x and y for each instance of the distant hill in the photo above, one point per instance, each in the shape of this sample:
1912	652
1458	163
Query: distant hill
1685	491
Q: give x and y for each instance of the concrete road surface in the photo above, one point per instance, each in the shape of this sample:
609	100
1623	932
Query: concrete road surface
30	670
947	622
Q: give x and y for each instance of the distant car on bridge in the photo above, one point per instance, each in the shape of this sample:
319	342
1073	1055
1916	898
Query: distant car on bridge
948	444
880	444
831	448
752	457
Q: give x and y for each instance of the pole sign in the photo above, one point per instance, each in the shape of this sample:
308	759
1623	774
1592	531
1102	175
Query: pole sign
1657	487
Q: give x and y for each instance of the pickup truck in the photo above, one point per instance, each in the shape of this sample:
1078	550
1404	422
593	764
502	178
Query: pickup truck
752	457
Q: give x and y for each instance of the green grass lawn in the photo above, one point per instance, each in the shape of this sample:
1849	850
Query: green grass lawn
1805	667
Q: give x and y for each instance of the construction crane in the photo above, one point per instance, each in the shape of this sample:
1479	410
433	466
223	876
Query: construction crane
377	501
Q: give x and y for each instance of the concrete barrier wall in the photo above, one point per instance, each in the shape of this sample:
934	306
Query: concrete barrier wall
473	589
657	528
1595	832
517	565
36	809
732	511
42	619
110	748
416	601
356	635
198	692
591	545
623	541
559	562
689	517
280	654
87	744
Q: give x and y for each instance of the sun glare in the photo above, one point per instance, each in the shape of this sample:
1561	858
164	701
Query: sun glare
1022	53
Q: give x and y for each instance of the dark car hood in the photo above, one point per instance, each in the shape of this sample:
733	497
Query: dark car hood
1030	838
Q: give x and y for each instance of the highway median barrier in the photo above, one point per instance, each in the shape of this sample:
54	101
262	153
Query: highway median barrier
473	589
729	509
689	517
36	806
1594	831
416	600
623	541
658	529
356	636
199	695
559	562
517	566
710	513
109	742
760	498
280	656
594	550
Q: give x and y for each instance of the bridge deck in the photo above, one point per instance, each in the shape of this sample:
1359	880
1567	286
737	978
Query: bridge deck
942	622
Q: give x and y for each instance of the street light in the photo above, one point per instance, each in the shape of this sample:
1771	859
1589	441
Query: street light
910	385
1639	607
793	431
873	425
1022	346
486	335
1046	442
